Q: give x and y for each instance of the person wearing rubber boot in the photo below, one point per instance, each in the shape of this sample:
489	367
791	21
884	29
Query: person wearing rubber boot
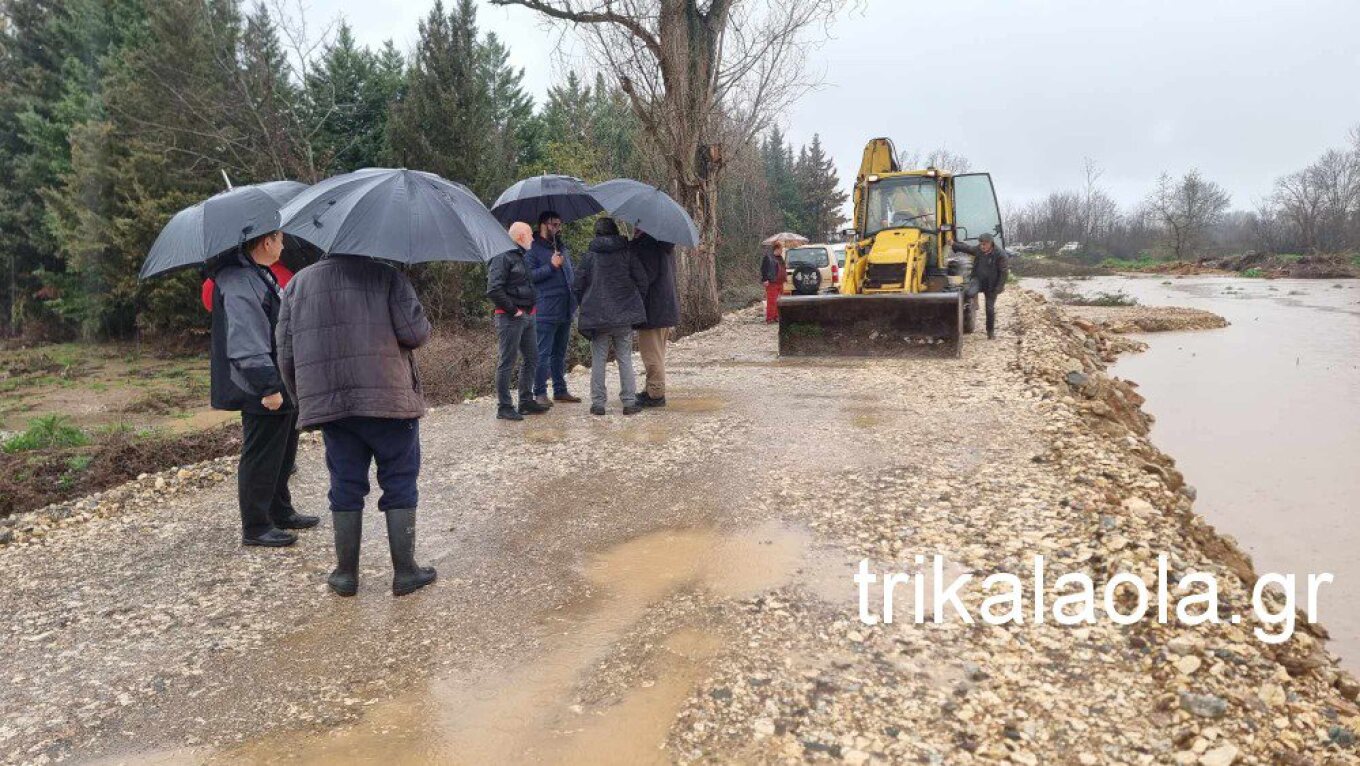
991	269
511	291
245	377
346	333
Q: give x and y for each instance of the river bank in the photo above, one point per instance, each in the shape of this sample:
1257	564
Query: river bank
686	594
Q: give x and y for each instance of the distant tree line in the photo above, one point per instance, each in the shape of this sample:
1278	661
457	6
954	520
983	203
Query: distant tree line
115	114
1313	210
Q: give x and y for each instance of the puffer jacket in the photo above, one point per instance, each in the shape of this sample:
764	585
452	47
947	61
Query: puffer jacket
553	301
244	365
346	331
608	286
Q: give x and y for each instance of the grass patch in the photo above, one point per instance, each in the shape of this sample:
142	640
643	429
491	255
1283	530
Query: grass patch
1254	273
1143	263
45	433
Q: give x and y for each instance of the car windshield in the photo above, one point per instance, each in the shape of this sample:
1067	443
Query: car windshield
902	201
815	257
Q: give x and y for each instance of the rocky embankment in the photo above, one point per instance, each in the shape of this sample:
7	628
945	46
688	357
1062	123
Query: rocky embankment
1135	319
585	610
1075	478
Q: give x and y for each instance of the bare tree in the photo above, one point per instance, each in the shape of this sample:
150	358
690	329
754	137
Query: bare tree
939	158
1186	209
703	78
1099	212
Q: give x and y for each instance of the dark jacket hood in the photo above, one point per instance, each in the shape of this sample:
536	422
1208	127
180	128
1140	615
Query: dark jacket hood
608	244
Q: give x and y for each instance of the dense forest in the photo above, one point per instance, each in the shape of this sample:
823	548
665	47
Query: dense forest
115	114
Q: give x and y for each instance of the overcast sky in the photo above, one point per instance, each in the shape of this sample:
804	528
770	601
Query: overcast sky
1244	90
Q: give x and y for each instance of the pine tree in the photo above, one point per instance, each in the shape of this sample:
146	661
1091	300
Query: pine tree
515	137
348	95
444	121
821	198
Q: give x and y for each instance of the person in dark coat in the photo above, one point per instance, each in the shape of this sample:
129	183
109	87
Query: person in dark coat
663	312
245	377
991	269
773	273
550	267
608	287
510	288
345	336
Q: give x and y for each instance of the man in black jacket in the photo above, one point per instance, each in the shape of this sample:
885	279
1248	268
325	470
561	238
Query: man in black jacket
663	313
991	269
245	378
510	288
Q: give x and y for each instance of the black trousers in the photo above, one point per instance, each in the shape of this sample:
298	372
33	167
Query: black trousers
268	450
989	300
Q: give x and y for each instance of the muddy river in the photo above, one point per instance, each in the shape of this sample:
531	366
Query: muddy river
1263	417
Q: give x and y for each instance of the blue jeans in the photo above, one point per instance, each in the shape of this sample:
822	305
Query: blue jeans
351	446
552	357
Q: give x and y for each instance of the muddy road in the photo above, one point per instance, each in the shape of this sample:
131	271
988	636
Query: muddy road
674	586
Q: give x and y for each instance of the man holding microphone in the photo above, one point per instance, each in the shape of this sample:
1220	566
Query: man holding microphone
551	270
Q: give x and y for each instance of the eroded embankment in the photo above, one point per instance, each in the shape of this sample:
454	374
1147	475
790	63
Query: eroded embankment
1134	319
1074	477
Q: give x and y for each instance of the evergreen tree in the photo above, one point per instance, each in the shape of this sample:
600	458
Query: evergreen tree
515	132
444	121
348	95
820	195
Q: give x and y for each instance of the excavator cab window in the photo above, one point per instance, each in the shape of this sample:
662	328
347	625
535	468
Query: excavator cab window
975	208
905	201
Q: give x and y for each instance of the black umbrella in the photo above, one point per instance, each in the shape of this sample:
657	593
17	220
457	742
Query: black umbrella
218	225
407	216
648	208
528	199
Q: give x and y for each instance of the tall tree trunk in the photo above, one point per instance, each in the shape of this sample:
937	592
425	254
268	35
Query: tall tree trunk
697	275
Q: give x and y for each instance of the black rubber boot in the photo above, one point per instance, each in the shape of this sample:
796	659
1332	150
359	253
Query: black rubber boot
349	528
407	575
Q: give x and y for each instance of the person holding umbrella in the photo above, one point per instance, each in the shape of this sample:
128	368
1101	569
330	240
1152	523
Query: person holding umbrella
773	273
661	224
346	337
550	267
234	238
245	377
609	287
511	290
663	312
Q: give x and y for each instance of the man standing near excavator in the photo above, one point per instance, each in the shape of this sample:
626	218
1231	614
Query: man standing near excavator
991	269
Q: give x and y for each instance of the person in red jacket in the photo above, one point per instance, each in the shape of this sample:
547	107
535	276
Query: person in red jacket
281	275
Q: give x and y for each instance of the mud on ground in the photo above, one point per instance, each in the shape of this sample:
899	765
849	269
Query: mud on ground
675	587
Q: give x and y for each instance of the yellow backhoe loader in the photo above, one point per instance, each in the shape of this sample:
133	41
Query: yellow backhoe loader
903	287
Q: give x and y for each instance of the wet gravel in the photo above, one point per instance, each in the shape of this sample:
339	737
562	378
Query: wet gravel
136	626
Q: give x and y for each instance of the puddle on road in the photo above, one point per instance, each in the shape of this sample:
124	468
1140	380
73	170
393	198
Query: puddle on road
529	713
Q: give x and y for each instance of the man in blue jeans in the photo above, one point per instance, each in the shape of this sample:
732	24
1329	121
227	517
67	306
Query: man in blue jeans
550	267
346	330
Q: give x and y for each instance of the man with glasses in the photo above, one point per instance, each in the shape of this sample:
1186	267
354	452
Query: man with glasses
550	268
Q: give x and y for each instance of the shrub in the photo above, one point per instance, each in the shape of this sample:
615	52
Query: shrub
45	432
1254	273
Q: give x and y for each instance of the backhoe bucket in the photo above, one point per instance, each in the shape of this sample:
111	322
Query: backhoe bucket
887	324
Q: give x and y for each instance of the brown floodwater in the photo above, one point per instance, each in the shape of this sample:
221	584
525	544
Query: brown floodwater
1263	417
533	713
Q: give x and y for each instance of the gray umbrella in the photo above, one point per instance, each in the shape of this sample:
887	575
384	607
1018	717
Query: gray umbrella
648	208
218	225
528	199
407	216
